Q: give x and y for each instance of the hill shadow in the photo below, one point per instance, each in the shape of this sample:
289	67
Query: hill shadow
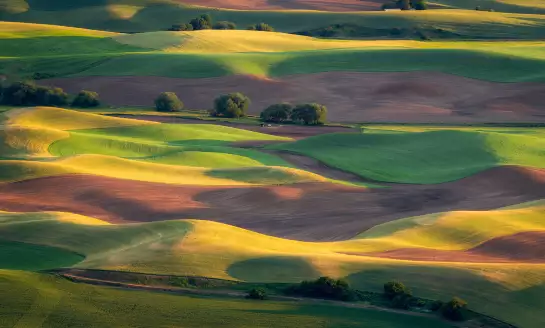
273	268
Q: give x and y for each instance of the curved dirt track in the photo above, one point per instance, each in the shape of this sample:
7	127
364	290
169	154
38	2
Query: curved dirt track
417	97
521	247
312	212
324	5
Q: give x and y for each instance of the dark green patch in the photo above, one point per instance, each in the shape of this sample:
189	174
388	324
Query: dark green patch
278	268
21	256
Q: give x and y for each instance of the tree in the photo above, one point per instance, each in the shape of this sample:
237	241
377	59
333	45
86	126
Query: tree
51	96
419	4
455	309
395	288
181	27
404	4
261	27
276	113
203	22
168	102
257	294
231	105
310	114
86	99
21	93
224	25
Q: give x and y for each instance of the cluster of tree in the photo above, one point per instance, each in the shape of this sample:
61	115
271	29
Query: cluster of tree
324	287
235	105
406	5
401	297
203	22
309	114
232	105
261	27
25	93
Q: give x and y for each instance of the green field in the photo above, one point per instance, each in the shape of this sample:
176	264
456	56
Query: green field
429	237
31	299
152	15
204	248
219	53
431	156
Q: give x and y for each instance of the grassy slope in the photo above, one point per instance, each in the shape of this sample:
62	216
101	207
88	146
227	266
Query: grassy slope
513	6
134	149
54	302
246	52
424	157
511	292
139	15
22	256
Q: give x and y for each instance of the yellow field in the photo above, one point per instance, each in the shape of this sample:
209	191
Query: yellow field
62	119
229	41
9	30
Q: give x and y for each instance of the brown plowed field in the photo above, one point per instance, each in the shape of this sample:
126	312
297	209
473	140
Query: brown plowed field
416	97
303	212
325	5
521	247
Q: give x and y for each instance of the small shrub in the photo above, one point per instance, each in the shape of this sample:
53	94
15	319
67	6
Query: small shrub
181	27
261	27
179	282
257	294
232	105
310	114
168	102
86	99
395	288
224	25
276	113
455	309
419	5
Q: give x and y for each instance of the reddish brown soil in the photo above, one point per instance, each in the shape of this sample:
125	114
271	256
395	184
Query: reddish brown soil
416	97
521	247
303	212
325	5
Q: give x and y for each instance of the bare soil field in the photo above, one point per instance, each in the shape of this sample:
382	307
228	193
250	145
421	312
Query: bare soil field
521	247
324	5
411	97
272	210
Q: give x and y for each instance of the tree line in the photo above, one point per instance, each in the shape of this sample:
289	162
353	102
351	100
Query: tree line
406	5
235	105
395	294
25	93
205	22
